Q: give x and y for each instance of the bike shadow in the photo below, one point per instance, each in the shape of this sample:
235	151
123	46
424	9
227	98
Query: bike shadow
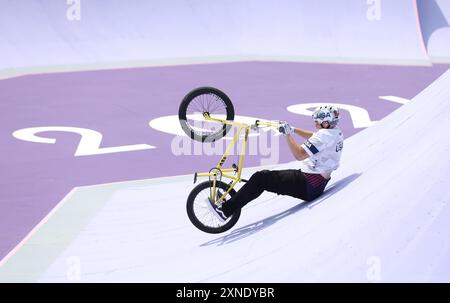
250	229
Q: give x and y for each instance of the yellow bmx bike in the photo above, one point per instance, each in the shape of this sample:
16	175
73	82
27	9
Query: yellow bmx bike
206	114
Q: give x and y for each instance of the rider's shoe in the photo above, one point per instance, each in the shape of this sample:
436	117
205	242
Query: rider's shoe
217	209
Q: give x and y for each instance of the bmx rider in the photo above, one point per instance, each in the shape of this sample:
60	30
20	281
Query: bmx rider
319	155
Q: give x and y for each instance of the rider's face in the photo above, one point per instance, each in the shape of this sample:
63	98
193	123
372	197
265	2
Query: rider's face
319	126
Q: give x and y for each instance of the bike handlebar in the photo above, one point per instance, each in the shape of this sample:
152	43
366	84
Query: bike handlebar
258	123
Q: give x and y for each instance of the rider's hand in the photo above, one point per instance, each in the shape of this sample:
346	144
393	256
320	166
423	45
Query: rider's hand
285	128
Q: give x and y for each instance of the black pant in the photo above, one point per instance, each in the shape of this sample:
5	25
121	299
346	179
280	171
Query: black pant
289	182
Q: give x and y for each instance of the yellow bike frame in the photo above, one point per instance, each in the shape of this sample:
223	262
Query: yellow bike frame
225	171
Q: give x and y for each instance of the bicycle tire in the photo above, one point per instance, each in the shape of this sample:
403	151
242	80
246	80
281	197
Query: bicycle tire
199	101
193	216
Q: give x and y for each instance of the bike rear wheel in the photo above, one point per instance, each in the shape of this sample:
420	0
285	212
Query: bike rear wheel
199	213
205	100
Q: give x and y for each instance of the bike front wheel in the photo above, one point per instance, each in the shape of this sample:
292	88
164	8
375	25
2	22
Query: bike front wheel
200	214
201	101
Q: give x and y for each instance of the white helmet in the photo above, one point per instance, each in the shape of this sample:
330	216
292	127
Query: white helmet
326	113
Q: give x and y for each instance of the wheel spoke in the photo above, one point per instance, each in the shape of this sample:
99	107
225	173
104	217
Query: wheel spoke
195	106
218	104
199	104
203	102
205	216
218	107
208	104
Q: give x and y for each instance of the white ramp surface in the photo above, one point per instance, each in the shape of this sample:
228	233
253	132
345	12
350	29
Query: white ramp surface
48	35
384	217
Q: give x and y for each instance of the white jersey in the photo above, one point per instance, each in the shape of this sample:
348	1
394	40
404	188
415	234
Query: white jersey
324	148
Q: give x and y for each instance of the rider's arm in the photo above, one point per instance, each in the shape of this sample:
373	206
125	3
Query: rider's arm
303	133
298	151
